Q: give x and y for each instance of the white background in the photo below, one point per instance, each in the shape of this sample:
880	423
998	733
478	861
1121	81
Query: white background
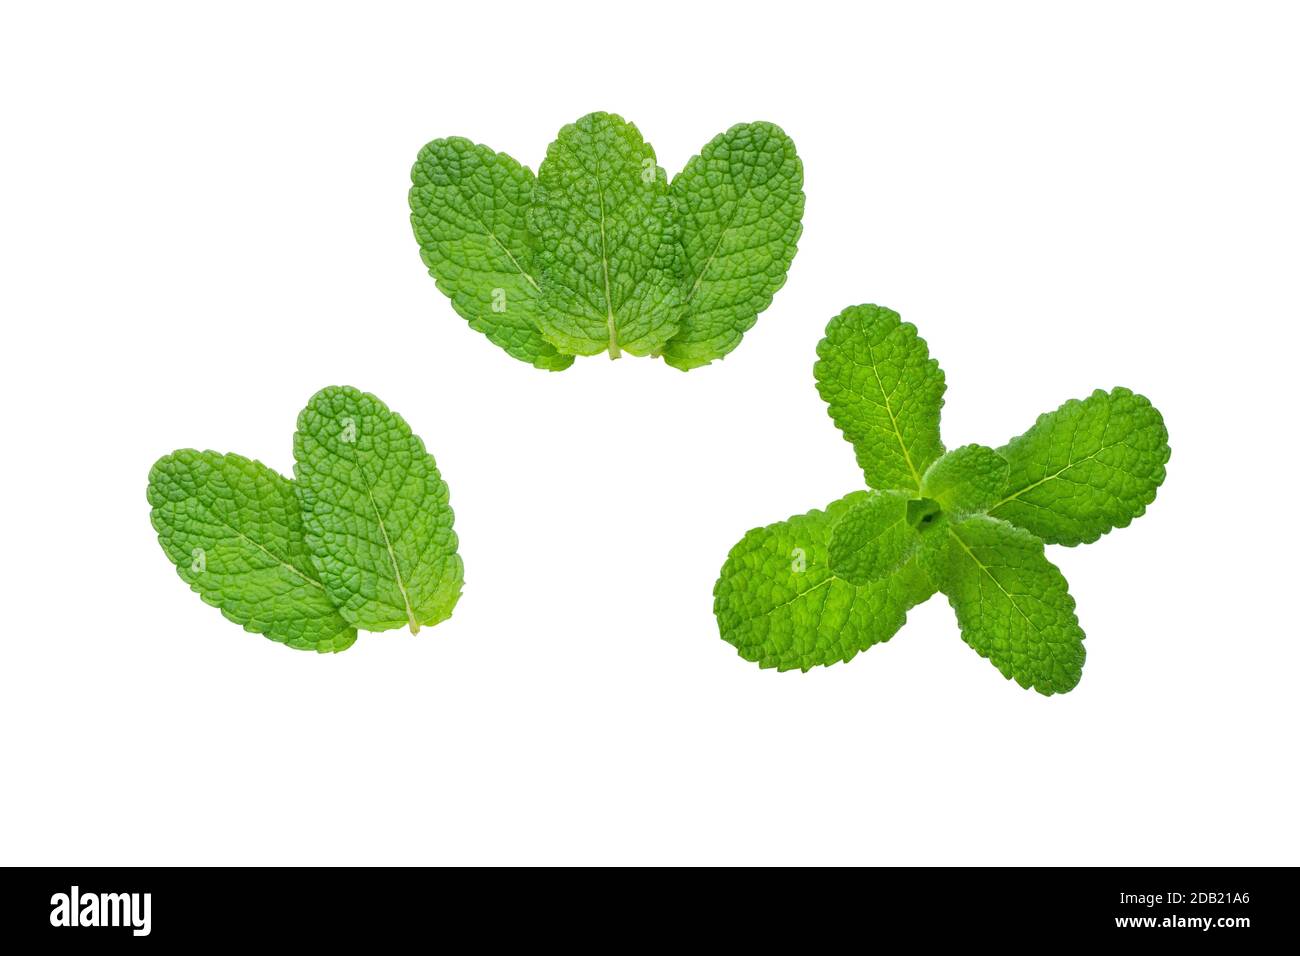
204	221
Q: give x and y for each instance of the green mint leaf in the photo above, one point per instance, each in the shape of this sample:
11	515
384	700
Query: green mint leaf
376	513
1090	466
967	479
884	393
232	528
873	538
1012	604
741	206
469	211
779	604
608	241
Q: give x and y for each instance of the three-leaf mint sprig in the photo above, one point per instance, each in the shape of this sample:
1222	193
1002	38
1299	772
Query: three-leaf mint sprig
599	252
361	537
971	522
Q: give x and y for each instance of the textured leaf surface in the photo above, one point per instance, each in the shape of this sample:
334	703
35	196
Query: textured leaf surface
741	206
1012	604
232	528
1090	466
469	209
966	479
608	241
873	538
780	605
376	513
884	393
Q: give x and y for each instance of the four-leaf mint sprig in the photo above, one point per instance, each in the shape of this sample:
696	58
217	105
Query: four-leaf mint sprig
361	538
971	522
599	252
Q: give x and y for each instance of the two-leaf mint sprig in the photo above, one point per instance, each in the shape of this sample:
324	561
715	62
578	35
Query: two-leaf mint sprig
599	252
970	522
361	538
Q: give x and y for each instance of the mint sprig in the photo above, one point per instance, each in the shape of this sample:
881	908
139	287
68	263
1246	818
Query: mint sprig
362	538
972	522
599	252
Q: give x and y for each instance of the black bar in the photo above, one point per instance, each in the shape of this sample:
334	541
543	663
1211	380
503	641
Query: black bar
1042	907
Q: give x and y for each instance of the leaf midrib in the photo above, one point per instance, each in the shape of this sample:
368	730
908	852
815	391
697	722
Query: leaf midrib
875	370
217	519
714	254
509	255
388	544
491	234
1056	474
989	573
610	324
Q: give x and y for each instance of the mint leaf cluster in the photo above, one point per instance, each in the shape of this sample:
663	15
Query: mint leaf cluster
599	252
970	523
361	537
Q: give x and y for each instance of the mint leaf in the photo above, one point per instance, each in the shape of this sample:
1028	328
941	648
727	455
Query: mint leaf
1090	466
1012	604
469	211
608	241
884	393
232	528
741	205
966	479
779	604
873	538
376	513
